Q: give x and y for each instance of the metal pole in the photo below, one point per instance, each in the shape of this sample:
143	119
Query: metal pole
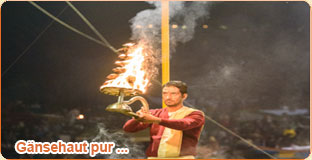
165	42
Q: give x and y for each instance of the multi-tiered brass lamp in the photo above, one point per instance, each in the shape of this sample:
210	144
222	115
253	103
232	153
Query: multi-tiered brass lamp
128	79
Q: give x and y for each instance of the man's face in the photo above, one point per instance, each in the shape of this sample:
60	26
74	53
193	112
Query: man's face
172	96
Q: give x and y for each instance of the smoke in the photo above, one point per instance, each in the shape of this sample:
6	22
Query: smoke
254	55
244	61
121	141
185	15
146	27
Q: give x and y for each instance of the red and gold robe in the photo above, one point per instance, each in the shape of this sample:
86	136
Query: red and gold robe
185	125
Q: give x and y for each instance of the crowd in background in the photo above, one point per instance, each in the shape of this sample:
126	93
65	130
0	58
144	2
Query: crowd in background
31	122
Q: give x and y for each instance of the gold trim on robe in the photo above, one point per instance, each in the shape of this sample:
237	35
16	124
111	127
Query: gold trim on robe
171	140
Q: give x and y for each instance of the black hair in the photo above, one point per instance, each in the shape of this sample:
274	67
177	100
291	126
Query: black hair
179	84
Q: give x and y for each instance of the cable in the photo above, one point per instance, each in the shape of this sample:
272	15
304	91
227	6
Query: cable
92	27
226	129
31	44
236	135
66	25
106	44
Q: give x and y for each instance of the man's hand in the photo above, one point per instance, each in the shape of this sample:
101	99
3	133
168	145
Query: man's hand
150	118
146	117
140	113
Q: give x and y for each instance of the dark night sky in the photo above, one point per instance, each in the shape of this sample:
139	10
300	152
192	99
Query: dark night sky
252	54
61	63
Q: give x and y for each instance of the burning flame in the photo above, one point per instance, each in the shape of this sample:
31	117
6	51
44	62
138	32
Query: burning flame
133	75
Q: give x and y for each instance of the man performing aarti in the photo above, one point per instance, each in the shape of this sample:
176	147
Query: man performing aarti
175	129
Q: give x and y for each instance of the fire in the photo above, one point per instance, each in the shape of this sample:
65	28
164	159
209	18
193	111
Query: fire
130	73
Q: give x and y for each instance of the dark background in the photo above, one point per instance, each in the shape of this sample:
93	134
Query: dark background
253	56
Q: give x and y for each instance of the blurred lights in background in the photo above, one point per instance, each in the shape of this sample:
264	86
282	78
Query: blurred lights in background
80	116
175	26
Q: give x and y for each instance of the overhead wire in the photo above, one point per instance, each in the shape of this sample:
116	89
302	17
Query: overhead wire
66	25
31	44
236	135
228	130
92	27
105	43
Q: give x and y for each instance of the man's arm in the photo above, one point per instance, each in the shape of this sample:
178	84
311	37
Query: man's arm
193	120
133	125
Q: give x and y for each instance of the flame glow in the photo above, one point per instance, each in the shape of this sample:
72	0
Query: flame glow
134	76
